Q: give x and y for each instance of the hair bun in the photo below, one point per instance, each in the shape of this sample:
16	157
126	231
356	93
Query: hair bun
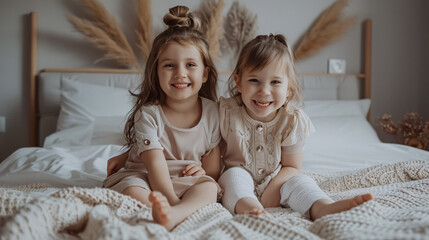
280	38
181	16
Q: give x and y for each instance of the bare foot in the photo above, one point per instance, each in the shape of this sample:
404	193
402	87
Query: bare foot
254	211
161	209
248	205
321	207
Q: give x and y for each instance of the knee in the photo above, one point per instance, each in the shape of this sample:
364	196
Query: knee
210	188
211	185
234	174
294	181
130	190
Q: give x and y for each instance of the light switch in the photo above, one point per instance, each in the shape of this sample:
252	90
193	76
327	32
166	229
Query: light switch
336	65
2	124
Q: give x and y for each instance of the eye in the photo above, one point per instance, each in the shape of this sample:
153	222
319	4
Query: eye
191	65
168	65
254	80
276	82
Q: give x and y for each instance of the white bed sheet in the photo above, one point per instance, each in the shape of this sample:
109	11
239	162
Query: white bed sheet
339	156
58	166
86	166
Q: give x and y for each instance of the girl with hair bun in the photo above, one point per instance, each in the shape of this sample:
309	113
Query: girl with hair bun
172	131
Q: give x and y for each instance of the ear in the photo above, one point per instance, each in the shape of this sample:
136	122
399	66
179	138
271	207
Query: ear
206	74
237	82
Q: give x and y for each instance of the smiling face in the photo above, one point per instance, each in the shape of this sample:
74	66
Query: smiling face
181	72
263	91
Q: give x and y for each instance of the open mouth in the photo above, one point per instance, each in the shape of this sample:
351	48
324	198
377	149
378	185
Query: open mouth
262	104
181	85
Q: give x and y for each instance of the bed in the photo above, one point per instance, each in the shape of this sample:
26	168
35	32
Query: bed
53	189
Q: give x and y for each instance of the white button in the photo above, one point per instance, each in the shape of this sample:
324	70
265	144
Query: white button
261	171
146	142
259	148
259	128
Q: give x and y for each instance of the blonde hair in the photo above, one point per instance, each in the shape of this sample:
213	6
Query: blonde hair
182	28
260	52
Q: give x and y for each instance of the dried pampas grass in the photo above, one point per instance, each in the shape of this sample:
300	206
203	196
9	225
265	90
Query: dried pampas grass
102	40
144	30
204	14
328	28
210	15
240	26
105	34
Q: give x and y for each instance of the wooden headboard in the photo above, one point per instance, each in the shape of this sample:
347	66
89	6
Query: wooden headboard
34	115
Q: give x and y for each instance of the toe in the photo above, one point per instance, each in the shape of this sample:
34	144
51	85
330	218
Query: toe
358	200
367	197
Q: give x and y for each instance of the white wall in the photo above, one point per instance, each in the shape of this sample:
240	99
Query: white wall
400	52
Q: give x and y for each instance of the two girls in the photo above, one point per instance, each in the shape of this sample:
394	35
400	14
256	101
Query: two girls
173	131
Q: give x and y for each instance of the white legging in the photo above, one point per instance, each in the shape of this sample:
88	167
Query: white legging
237	184
299	192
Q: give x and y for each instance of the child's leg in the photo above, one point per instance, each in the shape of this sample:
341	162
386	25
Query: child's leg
198	196
238	196
138	193
322	207
302	194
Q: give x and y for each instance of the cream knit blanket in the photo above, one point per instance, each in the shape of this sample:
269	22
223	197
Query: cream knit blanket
400	210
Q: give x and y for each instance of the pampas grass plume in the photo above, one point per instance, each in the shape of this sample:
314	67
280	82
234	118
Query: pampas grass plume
144	30
327	29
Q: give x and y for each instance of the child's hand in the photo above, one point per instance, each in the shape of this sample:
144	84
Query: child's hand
116	163
193	170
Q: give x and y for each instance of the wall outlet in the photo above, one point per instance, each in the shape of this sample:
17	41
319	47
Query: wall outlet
2	124
336	65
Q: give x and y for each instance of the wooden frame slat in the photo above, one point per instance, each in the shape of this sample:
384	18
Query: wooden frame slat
368	62
33	116
90	70
368	56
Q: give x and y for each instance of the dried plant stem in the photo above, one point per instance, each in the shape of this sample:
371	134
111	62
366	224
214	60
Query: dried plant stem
240	26
215	30
328	28
144	30
102	40
105	33
106	22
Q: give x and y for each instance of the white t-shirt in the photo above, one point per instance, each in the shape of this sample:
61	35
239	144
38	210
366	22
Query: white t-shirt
187	145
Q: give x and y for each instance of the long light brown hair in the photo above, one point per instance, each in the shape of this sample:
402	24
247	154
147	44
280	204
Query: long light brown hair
182	28
260	52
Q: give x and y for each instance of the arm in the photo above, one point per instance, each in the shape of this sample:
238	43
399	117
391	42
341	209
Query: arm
114	164
158	174
291	166
212	164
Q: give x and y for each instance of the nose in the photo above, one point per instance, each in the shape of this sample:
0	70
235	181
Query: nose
180	72
264	90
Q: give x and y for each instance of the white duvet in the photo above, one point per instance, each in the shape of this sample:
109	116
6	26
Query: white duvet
86	166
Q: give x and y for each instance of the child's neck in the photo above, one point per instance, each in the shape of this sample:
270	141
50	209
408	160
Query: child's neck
183	114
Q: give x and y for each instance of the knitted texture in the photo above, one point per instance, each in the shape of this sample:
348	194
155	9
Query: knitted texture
399	210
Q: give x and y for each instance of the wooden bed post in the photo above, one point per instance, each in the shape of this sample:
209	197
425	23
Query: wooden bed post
367	56
33	75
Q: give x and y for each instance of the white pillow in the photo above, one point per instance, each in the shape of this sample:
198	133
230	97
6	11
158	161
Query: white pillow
340	120
337	108
346	129
90	114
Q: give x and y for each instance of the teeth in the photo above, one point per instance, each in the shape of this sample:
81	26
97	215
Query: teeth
262	104
181	85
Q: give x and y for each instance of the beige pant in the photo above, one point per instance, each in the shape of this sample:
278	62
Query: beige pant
130	177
